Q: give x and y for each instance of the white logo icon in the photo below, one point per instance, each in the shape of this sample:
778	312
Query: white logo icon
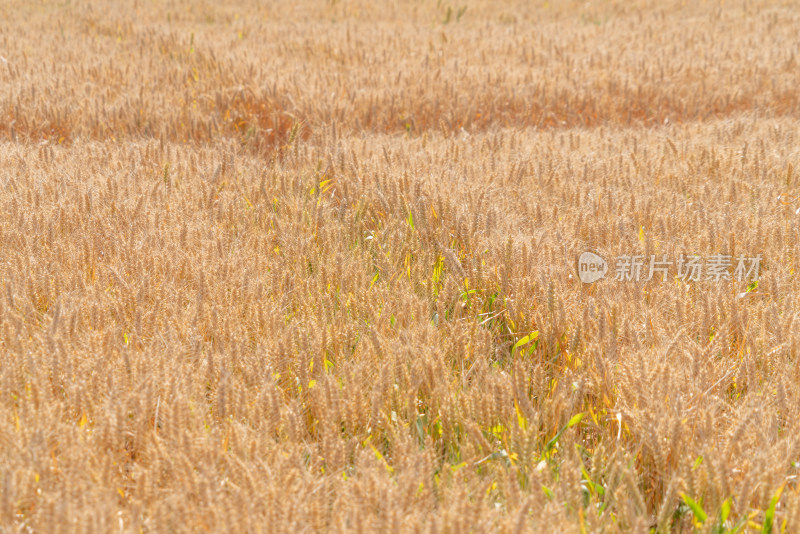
591	267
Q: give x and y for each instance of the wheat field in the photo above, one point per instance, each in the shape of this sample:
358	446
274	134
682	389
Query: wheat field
313	266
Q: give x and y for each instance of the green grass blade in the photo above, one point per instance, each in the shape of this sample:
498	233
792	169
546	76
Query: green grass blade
697	510
769	517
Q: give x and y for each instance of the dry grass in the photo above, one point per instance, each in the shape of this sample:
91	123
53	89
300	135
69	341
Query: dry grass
263	267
